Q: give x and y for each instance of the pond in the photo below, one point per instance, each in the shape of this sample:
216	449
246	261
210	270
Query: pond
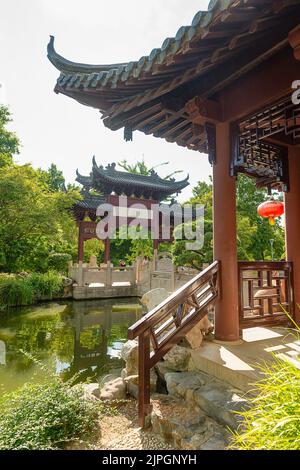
82	339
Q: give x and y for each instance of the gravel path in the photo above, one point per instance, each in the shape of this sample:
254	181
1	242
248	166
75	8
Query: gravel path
122	432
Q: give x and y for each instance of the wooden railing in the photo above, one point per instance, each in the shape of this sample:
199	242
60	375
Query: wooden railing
168	323
265	288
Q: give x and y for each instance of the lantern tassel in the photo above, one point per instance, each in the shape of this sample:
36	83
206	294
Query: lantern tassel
272	220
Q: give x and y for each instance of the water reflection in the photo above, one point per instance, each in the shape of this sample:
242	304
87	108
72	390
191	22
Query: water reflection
67	338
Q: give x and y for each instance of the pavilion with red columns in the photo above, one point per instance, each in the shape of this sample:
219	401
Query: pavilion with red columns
221	86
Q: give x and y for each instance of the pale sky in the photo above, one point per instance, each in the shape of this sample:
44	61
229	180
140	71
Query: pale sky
54	128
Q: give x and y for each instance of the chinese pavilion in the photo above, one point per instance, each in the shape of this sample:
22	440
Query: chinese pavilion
106	185
221	86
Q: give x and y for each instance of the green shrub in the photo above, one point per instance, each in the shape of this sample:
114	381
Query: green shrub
59	261
273	422
45	285
45	416
26	290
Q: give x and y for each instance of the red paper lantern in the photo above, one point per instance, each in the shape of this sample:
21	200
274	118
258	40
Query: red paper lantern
271	209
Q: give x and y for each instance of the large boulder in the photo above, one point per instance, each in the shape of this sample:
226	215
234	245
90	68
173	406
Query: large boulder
195	335
113	390
154	297
132	383
177	359
180	384
129	354
91	391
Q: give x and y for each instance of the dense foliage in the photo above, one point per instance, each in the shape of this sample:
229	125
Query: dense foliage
9	143
38	233
253	232
35	217
18	290
273	421
45	416
141	168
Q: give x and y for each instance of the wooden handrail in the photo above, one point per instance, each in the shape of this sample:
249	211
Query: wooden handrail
168	323
265	287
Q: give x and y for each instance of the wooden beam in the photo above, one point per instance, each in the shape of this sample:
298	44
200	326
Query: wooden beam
200	109
294	40
263	85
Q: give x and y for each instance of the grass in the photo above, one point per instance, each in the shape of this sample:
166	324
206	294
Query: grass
273	420
26	290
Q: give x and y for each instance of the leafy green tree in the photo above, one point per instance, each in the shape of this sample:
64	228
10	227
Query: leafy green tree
54	179
253	232
34	221
9	143
248	199
93	247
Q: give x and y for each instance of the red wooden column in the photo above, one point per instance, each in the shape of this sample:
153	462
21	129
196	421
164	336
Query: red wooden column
225	238
292	222
80	243
107	250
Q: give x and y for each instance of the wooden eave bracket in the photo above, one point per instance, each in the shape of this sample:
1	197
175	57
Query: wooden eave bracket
294	40
201	109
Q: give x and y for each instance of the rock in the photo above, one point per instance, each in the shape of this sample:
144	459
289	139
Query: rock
161	370
129	354
132	382
220	403
67	282
108	378
195	335
179	384
184	428
114	390
177	359
91	391
154	297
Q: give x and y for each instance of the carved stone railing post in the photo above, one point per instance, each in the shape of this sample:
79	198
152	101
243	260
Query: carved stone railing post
80	274
108	275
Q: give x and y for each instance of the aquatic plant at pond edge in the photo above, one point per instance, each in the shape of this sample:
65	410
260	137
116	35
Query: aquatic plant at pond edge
16	290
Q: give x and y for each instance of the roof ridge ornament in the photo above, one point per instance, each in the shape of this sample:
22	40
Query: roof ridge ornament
65	65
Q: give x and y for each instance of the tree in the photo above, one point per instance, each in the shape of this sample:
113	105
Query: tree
9	143
248	199
141	168
53	178
34	222
253	232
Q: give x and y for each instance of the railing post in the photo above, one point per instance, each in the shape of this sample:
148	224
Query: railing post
80	274
144	377
108	275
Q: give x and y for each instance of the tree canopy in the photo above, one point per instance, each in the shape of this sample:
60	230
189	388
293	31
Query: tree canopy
9	142
35	216
253	232
38	232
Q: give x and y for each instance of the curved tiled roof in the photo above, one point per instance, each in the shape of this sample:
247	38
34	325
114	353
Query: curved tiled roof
107	180
77	75
151	93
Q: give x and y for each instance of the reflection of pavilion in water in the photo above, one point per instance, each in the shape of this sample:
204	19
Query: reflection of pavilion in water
99	331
